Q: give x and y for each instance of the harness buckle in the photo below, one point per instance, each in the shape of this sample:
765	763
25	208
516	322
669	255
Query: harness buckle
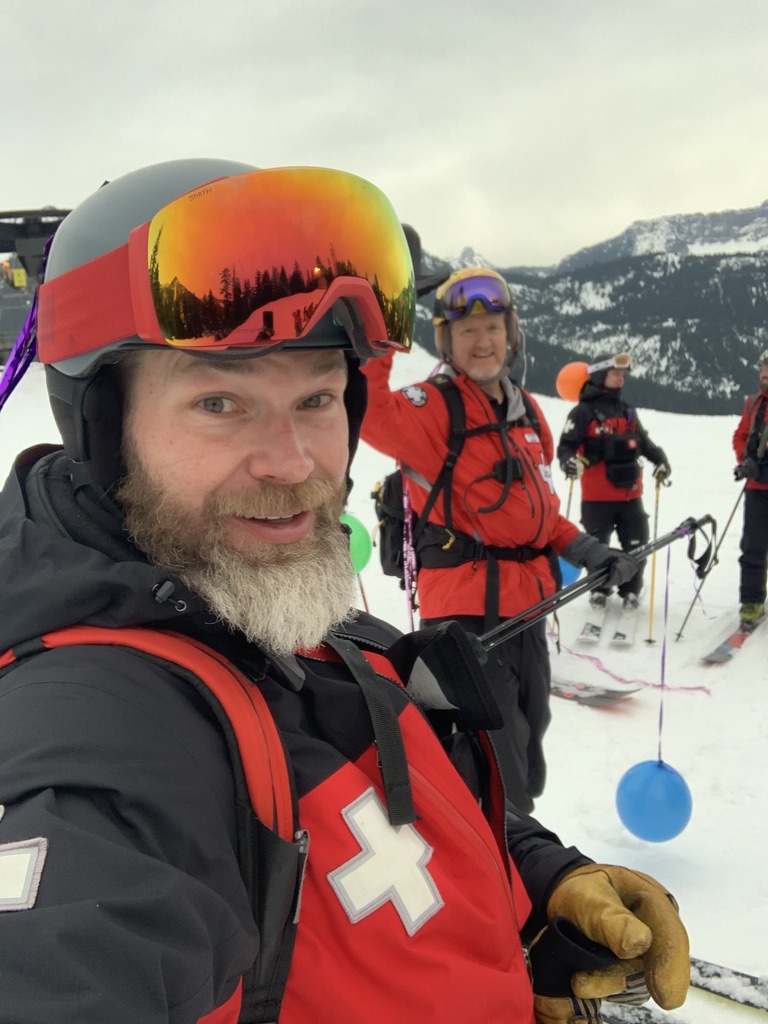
451	539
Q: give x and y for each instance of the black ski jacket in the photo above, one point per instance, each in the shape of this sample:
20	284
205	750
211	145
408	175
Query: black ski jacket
116	786
607	431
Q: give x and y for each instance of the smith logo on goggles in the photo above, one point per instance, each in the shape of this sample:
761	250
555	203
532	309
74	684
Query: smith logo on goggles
251	261
460	296
620	362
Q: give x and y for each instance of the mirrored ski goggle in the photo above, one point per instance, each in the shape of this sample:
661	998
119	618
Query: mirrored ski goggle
620	362
460	296
251	261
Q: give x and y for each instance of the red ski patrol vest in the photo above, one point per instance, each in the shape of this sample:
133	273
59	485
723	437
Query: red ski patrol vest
416	923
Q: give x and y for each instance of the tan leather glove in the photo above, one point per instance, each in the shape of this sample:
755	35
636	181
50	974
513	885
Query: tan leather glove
637	919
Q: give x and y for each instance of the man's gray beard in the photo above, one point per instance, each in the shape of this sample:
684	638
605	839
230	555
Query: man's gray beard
283	596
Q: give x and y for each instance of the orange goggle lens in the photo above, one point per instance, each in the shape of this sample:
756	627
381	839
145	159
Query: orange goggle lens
260	257
254	260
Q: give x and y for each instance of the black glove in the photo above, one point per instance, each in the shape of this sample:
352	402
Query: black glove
571	975
442	668
622	567
662	472
747	469
574	467
589	552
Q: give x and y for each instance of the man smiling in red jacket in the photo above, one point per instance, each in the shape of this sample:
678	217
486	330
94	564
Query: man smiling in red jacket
490	547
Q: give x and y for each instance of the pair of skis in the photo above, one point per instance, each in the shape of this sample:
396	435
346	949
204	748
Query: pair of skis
593	694
597	696
723	983
623	631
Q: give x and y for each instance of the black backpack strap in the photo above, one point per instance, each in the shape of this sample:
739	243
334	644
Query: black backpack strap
457	433
530	413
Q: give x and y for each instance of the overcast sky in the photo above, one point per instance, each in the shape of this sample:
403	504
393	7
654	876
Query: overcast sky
527	130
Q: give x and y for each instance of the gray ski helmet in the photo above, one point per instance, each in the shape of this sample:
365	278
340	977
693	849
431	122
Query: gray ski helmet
85	391
599	369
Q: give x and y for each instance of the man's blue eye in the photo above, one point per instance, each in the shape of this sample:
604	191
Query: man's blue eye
215	403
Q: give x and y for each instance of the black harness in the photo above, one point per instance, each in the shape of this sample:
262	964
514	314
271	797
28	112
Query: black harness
442	547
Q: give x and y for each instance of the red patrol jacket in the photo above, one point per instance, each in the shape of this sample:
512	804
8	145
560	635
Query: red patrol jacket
416	923
412	426
755	407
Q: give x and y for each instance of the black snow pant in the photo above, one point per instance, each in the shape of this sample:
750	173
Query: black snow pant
628	518
754	546
519	676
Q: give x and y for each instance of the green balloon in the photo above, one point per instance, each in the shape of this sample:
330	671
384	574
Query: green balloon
360	544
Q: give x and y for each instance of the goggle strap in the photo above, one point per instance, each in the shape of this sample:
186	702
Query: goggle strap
87	308
611	364
347	312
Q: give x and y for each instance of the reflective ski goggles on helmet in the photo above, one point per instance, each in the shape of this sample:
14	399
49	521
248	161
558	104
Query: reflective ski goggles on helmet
253	261
620	362
460	296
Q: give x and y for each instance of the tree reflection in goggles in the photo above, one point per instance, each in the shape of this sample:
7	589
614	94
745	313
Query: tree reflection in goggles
620	362
254	260
460	296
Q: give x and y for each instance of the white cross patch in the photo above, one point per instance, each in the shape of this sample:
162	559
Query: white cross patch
21	865
391	867
416	395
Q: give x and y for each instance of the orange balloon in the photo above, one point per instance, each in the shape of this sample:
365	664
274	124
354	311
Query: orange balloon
571	380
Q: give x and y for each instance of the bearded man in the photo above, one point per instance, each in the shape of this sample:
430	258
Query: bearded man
218	801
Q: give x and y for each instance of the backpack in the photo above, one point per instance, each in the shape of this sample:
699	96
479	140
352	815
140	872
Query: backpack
388	497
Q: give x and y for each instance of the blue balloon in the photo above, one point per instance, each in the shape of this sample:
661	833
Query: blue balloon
570	573
653	801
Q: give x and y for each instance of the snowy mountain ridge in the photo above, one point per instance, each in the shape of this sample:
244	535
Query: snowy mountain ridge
695	234
686	295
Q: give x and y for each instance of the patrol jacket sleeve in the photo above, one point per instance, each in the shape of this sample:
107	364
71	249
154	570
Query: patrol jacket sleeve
115	778
741	433
413	431
542	860
574	432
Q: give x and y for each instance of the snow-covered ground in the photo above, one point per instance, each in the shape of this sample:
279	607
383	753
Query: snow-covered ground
715	719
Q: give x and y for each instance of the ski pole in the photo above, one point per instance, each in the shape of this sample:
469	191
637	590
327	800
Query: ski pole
362	592
409	556
713	564
511	627
650	639
568	504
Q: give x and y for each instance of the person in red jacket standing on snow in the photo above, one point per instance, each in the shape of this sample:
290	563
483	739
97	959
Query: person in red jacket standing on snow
600	445
749	442
489	549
